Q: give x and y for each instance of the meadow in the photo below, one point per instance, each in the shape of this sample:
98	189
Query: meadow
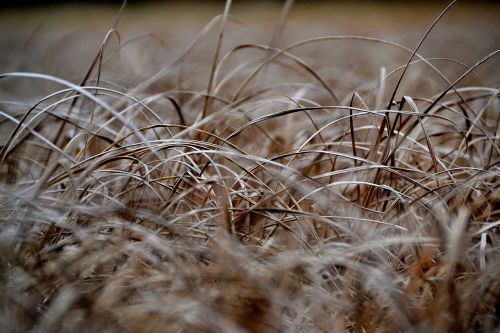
250	167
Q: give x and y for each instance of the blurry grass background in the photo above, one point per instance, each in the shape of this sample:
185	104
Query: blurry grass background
51	37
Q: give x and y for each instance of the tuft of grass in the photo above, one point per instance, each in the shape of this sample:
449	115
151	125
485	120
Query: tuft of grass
252	187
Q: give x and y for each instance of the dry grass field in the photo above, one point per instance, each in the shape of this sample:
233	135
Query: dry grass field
250	167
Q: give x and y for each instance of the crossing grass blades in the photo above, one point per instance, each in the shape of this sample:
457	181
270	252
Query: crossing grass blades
262	199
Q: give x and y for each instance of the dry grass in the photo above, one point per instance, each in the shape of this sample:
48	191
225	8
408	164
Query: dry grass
253	187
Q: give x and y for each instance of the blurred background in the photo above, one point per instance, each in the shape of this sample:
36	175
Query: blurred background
44	2
62	38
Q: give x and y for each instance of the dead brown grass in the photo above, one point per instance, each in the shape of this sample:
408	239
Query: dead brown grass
340	183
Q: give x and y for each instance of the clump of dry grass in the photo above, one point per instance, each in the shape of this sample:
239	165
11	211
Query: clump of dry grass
269	198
